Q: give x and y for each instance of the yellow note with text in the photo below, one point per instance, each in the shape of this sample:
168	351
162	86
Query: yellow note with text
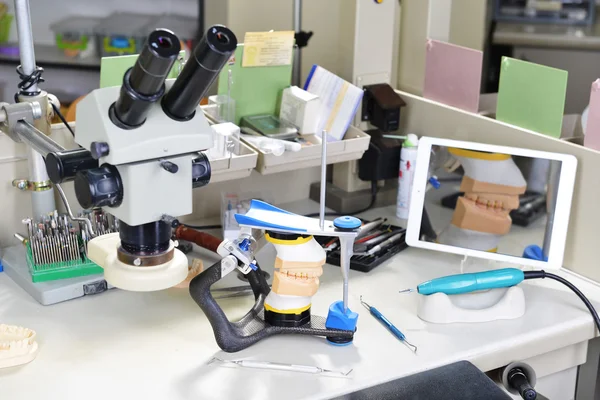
263	49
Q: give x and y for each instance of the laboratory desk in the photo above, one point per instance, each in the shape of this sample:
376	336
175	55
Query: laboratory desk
157	345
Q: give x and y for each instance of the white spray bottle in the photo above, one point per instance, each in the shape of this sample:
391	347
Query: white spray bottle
408	161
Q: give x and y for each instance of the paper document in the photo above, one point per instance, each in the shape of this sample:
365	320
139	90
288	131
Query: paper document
262	49
339	101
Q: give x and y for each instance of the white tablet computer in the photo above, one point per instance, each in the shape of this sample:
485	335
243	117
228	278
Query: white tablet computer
493	202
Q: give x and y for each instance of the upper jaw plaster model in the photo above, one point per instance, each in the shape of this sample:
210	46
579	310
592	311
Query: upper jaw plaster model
298	266
492	184
17	345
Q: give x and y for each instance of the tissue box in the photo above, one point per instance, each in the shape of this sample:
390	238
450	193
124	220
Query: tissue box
301	109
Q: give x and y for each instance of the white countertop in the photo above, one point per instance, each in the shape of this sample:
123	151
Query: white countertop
156	345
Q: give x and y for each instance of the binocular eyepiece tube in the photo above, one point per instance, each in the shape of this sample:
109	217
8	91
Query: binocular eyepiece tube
144	83
200	71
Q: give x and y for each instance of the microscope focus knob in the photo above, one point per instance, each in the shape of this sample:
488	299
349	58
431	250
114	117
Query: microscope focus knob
99	187
201	171
99	149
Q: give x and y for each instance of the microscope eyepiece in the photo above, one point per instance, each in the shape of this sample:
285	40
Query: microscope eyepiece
143	84
200	71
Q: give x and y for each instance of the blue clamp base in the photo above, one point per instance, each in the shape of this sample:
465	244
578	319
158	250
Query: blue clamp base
434	182
534	252
347	222
1	268
338	319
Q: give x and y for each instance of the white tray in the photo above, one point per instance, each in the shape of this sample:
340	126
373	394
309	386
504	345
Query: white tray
352	147
235	167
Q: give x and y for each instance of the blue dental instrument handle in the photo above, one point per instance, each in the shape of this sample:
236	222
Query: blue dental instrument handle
466	283
395	331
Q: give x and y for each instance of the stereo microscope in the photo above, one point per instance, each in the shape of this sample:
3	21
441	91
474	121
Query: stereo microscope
140	155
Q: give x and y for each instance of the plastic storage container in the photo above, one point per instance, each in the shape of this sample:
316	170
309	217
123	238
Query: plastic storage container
75	35
5	23
186	28
123	33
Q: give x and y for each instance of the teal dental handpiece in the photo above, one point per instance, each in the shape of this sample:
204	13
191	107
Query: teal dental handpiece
466	283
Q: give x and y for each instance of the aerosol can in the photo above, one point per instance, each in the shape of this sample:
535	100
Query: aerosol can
408	161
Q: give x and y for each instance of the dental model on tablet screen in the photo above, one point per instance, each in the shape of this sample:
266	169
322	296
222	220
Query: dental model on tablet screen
489	182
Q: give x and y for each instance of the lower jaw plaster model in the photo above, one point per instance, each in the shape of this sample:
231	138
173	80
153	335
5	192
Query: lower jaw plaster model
17	345
298	266
492	184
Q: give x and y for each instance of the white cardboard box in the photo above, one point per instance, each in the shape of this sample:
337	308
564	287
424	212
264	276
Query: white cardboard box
301	109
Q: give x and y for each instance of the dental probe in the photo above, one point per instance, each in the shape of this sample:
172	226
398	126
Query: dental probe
395	331
307	369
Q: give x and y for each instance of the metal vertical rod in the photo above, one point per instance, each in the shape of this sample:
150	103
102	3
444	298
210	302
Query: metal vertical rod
346	250
297	74
23	17
42	202
323	180
552	194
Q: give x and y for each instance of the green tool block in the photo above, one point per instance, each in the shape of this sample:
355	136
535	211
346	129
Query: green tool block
531	96
61	270
256	90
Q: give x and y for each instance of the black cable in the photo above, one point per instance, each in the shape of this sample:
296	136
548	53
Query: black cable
362	210
543	274
27	81
62	118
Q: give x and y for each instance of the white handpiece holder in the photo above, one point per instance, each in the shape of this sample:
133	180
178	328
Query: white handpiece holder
484	306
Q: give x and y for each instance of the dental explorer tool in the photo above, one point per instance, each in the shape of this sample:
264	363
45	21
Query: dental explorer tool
308	369
395	331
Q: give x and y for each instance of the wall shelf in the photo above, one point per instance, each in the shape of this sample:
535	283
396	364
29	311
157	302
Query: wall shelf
50	56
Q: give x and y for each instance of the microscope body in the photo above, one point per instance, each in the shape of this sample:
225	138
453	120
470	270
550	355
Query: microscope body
144	174
148	189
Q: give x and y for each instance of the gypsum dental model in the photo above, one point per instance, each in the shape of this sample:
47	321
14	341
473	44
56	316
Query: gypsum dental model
298	266
492	184
17	345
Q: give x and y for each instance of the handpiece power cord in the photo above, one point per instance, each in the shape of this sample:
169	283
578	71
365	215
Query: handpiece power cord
543	274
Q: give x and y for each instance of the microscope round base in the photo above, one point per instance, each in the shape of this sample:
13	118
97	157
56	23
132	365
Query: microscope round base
146	279
103	251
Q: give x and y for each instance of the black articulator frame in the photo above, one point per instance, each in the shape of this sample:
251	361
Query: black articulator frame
236	336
